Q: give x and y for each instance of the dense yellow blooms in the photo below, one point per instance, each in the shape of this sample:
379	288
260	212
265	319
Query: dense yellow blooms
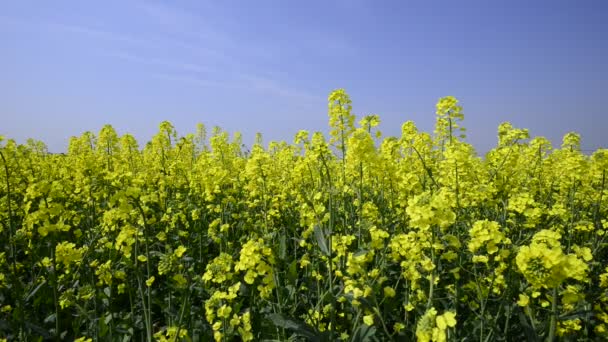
349	235
66	253
544	263
433	327
486	234
256	261
220	269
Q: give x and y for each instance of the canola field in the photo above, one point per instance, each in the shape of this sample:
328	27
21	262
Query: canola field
350	237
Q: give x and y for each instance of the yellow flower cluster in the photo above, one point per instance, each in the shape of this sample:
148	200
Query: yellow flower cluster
486	234
409	251
172	333
377	237
544	263
256	261
433	327
340	245
224	321
219	270
349	236
601	307
66	253
426	210
125	240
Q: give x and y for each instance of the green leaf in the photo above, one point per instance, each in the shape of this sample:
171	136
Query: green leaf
50	318
528	330
103	328
321	240
360	252
282	247
39	330
31	294
292	272
296	326
577	314
364	333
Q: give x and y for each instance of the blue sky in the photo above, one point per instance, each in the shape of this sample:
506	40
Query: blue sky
268	66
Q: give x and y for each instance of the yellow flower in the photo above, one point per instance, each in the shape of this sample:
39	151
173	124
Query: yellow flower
487	234
426	323
524	300
568	326
389	292
219	270
448	319
544	264
180	251
224	311
604	278
235	321
46	262
83	339
304	261
368	319
432	327
482	259
66	253
150	281
583	252
256	260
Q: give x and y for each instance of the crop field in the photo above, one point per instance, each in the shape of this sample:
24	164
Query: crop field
351	237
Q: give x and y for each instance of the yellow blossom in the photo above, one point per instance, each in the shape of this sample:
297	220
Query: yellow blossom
368	319
523	300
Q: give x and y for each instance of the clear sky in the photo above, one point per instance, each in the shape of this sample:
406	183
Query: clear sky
267	66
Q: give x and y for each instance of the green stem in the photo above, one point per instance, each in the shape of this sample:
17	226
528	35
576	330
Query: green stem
426	168
330	261
149	313
553	323
12	247
432	283
55	299
181	315
10	211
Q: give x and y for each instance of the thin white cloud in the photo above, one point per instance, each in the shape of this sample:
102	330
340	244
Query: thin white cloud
102	34
274	87
137	41
188	35
183	66
184	22
246	83
234	52
193	80
201	28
